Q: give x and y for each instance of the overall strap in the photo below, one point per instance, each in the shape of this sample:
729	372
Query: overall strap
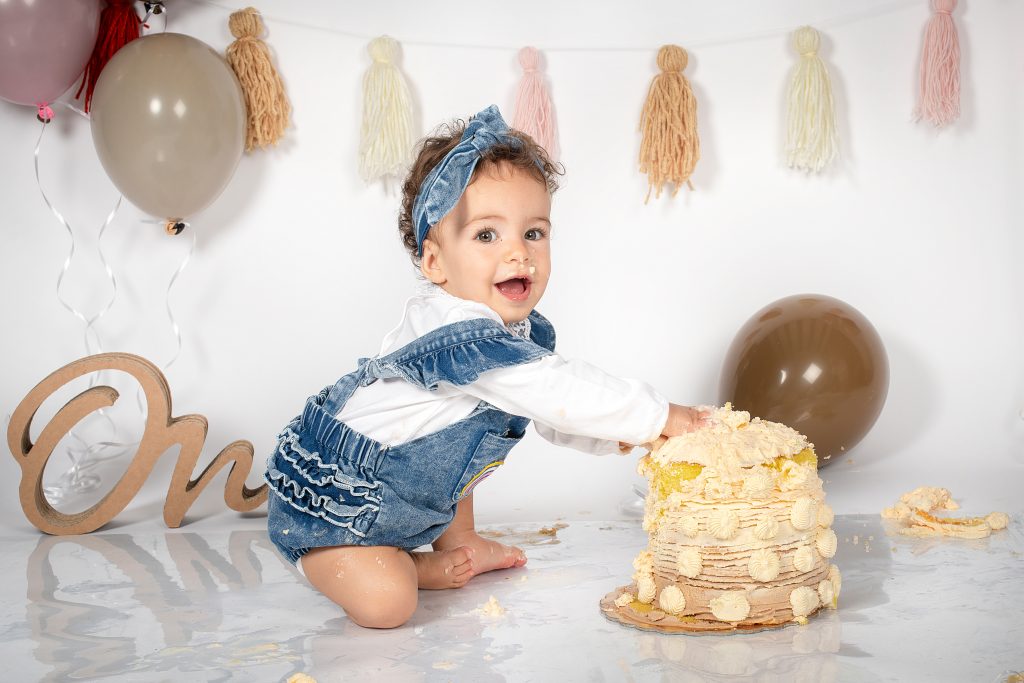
459	352
542	332
334	398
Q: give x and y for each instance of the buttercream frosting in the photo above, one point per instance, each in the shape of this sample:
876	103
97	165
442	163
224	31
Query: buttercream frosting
730	606
671	600
804	600
763	565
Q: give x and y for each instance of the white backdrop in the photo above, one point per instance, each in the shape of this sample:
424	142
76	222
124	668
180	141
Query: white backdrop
299	270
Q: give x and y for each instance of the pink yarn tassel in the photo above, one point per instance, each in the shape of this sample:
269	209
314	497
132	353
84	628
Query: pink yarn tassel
533	113
938	97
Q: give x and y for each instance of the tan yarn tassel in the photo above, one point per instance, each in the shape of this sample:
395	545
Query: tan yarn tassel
811	137
670	146
265	98
385	143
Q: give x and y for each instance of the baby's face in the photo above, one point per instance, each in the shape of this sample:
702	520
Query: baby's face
494	246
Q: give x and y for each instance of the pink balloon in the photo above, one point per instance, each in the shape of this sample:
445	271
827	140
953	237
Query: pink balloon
44	47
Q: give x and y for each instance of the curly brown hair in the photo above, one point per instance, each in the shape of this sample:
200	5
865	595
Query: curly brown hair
523	155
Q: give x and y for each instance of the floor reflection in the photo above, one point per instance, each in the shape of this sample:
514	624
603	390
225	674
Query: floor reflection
118	596
222	605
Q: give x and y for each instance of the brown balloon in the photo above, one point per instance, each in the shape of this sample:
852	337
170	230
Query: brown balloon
813	363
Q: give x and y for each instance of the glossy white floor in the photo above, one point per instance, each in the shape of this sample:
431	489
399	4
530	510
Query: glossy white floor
215	603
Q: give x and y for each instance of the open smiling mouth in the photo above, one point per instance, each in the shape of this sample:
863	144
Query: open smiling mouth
516	288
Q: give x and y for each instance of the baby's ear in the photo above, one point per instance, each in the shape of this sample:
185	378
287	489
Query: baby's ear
430	262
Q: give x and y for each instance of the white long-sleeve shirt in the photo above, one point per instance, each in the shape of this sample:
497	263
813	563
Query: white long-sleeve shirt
572	403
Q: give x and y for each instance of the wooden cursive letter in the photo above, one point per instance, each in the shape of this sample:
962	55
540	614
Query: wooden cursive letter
160	433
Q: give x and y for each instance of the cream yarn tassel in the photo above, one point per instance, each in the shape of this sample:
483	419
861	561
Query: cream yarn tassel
670	146
266	103
812	141
385	141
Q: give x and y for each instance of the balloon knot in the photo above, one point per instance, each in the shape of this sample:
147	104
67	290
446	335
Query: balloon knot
175	226
44	113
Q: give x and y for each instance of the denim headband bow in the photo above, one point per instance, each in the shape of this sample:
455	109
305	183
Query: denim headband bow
444	185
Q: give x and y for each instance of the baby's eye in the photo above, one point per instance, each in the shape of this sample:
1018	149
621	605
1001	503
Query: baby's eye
534	234
487	235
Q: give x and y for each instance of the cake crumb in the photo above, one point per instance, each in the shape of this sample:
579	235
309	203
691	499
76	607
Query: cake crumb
444	666
492	608
301	678
914	513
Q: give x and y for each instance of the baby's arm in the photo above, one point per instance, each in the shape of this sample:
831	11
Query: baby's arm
575	403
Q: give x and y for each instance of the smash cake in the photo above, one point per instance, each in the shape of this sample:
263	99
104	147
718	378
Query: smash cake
740	534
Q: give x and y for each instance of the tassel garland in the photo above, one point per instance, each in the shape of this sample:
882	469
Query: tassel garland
811	137
385	143
938	96
265	99
533	114
670	146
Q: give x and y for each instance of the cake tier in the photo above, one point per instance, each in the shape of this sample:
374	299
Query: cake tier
740	533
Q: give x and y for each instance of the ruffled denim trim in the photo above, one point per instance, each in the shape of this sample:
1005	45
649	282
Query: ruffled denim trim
353	505
456	354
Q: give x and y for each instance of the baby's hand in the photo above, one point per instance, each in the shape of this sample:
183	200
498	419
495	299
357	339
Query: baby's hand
683	419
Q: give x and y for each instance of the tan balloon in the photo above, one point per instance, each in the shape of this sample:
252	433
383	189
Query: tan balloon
811	362
168	124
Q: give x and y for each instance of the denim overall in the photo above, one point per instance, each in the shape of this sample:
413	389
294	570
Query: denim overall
331	485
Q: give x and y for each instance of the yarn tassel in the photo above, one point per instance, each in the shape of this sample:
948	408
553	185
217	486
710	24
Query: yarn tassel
811	140
265	99
670	146
119	25
533	114
938	95
385	141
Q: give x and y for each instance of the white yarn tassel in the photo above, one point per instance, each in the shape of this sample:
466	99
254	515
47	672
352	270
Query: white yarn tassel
812	141
385	143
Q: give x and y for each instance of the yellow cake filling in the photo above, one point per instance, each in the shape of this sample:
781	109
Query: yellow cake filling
806	457
666	479
644	608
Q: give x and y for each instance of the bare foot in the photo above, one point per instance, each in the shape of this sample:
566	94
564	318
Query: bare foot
489	555
444	568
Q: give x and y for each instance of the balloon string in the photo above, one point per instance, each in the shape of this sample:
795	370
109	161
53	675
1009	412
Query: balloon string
84	457
77	478
167	302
